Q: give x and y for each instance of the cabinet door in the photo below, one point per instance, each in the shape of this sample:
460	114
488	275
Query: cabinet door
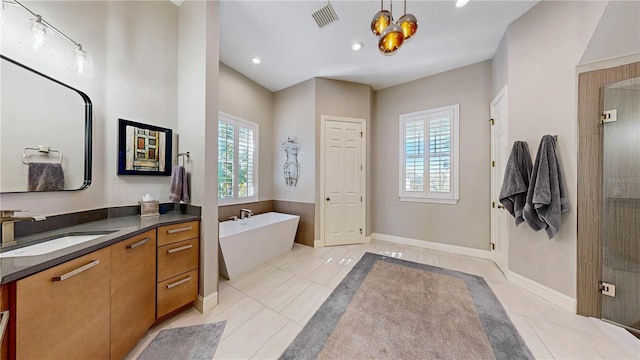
4	322
63	312
133	291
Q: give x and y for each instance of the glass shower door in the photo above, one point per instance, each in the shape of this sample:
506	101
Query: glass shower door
621	213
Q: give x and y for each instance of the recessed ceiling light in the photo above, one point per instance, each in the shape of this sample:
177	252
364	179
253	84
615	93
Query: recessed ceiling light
357	46
461	3
256	60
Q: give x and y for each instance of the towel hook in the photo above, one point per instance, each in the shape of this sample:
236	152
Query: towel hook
182	155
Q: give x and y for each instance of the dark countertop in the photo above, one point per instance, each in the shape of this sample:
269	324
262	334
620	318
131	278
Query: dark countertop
119	228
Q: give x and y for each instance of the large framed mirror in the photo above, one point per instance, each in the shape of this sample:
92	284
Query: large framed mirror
45	132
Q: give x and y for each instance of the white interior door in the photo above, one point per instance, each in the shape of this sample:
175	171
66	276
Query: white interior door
343	205
499	155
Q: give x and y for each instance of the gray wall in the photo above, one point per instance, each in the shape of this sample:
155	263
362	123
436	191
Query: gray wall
134	47
243	98
198	69
467	222
294	117
341	98
499	67
544	47
617	34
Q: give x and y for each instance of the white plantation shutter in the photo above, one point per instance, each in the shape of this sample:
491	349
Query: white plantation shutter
237	159
226	151
415	156
246	149
429	155
440	152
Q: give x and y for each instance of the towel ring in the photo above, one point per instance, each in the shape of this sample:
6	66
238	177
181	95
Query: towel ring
42	150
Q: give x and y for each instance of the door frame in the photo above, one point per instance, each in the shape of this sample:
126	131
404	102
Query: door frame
363	123
502	263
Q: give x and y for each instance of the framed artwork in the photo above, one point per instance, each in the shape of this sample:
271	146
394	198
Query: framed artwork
143	149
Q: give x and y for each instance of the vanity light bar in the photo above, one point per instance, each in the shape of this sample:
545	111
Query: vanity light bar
42	20
84	62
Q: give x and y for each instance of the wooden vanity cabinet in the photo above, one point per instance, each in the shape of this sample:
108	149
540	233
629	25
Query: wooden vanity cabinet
133	291
178	258
64	312
4	306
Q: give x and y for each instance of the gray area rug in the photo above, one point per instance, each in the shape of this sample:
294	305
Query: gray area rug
445	324
191	342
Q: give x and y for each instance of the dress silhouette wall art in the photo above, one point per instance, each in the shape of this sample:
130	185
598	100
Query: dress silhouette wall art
291	148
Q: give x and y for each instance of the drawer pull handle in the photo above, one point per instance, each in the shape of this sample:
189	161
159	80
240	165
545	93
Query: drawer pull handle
181	248
75	272
139	243
173	231
4	321
179	282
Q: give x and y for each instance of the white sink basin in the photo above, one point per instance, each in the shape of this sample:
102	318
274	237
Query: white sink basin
50	246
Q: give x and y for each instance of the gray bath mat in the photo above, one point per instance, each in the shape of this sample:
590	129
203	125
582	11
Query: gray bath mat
191	342
388	308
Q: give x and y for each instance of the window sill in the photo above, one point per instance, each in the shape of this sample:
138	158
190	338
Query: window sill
237	202
430	200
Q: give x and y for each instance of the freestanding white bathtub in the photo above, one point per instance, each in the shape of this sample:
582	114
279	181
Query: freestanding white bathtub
247	243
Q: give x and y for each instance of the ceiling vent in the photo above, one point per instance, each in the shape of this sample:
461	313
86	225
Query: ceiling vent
325	15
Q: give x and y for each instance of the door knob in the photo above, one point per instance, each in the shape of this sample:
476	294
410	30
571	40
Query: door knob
500	207
328	199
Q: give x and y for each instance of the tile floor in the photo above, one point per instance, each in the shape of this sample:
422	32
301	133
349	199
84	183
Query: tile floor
267	307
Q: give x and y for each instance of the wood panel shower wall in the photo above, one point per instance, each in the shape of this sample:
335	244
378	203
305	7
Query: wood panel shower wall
590	195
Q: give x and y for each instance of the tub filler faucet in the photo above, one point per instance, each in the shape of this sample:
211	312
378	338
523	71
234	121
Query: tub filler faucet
245	213
8	220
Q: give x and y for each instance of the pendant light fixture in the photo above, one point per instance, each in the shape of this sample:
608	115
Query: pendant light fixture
380	20
392	35
408	23
391	38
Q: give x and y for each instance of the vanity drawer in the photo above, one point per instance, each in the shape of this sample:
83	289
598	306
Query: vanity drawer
177	292
177	258
178	232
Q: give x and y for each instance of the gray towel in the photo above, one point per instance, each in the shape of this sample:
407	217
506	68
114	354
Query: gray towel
515	184
45	176
546	197
179	185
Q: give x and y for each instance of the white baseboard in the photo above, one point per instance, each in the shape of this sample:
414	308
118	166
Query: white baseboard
454	249
319	244
566	302
206	303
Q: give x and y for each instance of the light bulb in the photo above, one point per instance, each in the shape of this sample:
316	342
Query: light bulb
461	3
357	46
256	61
83	63
39	31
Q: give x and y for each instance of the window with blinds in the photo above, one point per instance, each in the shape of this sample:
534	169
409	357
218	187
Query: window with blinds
429	155
237	159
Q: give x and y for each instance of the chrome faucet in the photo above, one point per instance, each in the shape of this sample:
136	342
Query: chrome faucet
245	213
8	219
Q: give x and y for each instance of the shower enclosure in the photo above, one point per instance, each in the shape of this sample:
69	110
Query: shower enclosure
621	202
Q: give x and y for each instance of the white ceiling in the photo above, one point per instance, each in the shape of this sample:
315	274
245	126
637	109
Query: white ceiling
293	48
